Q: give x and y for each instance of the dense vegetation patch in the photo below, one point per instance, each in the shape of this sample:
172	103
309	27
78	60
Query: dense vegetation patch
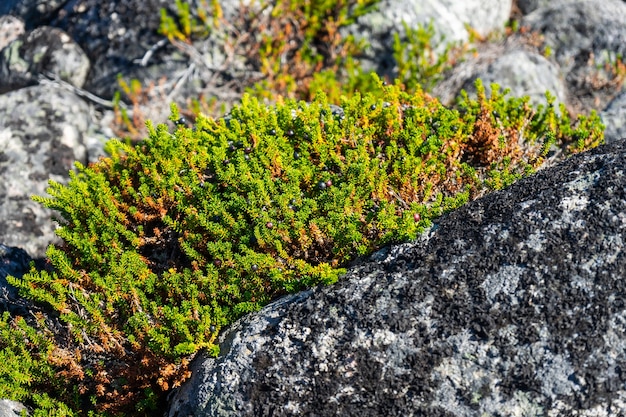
169	241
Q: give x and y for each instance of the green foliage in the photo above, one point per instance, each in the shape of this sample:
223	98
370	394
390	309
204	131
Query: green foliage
300	40
419	67
419	64
185	27
27	355
167	242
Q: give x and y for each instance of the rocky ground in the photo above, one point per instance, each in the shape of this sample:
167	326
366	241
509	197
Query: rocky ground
513	306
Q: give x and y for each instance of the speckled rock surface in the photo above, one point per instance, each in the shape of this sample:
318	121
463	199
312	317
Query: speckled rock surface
10	408
614	117
584	35
41	135
514	304
45	50
11	28
578	29
32	11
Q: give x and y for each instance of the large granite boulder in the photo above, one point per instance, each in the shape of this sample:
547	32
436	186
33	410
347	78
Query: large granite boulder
44	51
514	304
580	30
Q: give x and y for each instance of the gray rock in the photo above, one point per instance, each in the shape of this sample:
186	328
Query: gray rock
614	117
45	50
528	6
581	31
121	39
10	29
13	262
449	18
525	73
512	305
41	135
117	36
586	39
10	408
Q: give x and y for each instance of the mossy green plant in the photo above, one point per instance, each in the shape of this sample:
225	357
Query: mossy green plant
188	25
300	40
418	61
29	368
169	241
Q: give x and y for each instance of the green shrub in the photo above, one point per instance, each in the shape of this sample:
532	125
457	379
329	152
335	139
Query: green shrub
419	64
167	242
292	40
301	40
29	367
